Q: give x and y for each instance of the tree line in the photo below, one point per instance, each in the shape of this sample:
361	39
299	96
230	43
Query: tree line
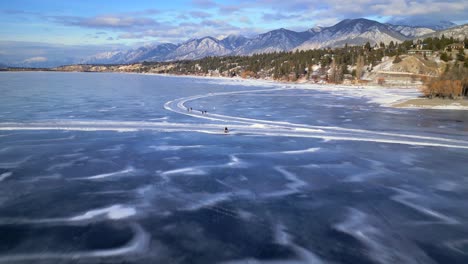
289	66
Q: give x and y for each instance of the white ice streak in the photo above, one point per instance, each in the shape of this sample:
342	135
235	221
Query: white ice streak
303	151
5	175
5	149
460	246
8	135
173	148
185	171
448	186
378	169
283	238
203	169
404	197
115	148
70	128
294	185
41	140
234	162
383	246
67	164
123	172
113	212
55	176
206	200
281	235
13	164
360	177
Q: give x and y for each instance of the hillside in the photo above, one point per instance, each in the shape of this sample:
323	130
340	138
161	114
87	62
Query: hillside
458	32
411	64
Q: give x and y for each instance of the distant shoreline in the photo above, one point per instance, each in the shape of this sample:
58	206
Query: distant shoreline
436	103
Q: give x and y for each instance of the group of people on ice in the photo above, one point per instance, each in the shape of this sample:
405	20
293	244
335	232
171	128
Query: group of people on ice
204	112
190	109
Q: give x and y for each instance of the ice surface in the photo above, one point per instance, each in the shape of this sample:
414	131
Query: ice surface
306	174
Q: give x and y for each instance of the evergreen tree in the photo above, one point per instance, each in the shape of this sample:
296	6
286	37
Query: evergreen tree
461	55
367	46
444	56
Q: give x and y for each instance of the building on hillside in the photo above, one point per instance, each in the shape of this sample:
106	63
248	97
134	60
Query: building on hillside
422	52
419	46
455	46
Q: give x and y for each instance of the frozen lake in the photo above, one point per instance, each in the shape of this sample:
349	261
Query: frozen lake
114	168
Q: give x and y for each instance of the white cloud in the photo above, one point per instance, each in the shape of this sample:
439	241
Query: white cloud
106	21
212	17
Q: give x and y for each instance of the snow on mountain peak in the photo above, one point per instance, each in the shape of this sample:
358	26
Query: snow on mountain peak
349	31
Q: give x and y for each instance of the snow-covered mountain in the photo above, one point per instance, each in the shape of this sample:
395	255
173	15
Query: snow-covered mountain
159	53
156	52
411	32
199	48
107	57
316	29
422	23
441	25
352	32
233	42
276	40
459	32
349	31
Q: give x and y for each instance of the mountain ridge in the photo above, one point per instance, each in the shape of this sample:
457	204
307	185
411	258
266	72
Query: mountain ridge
349	31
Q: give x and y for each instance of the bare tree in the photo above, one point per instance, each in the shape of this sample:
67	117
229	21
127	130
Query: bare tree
336	75
451	84
359	67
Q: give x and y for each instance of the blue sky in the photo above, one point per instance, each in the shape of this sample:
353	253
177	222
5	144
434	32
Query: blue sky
115	24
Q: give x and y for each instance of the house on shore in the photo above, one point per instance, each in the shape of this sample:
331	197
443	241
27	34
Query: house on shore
455	46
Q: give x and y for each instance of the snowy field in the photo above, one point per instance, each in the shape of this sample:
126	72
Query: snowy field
126	168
